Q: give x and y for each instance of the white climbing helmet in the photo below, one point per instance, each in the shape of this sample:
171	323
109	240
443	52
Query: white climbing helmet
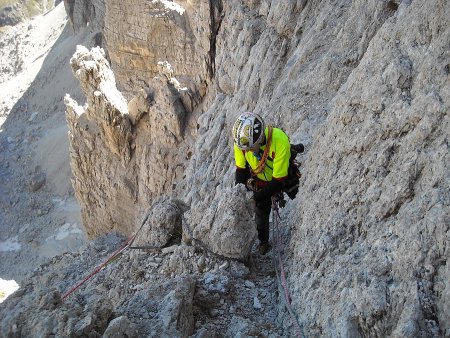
248	130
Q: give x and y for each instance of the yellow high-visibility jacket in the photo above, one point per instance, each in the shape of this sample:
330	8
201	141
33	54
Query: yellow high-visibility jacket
277	162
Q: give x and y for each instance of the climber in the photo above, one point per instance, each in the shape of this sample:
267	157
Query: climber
262	156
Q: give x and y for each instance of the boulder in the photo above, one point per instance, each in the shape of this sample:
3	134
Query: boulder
163	223
120	327
225	224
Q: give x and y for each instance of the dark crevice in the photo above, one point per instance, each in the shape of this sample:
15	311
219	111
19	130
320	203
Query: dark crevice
69	7
392	6
216	10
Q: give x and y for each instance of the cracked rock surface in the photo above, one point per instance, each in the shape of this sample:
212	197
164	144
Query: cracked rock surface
364	85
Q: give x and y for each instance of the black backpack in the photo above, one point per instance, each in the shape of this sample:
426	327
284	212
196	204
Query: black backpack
292	182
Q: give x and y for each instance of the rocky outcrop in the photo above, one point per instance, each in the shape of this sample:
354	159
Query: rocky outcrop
123	156
163	223
166	306
169	293
121	161
86	12
139	35
223	222
364	84
377	199
100	147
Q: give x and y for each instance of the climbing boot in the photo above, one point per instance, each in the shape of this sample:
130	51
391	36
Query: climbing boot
264	247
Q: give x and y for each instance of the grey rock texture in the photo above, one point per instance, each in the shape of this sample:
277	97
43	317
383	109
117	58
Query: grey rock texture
120	327
164	223
364	84
10	15
241	327
122	156
139	35
378	196
92	152
132	297
225	223
86	12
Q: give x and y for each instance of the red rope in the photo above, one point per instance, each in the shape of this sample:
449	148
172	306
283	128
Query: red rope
262	163
277	219
100	267
115	254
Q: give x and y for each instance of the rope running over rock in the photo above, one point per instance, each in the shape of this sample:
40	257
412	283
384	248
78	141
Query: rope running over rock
281	273
116	254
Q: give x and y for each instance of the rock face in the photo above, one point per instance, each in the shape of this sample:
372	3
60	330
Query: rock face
164	223
98	137
223	222
124	156
121	161
86	12
363	84
139	35
373	216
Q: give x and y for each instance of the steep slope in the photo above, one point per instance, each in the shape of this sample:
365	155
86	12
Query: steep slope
364	84
371	239
38	211
13	12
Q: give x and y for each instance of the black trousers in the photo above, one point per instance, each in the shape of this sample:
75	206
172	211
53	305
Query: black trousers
262	213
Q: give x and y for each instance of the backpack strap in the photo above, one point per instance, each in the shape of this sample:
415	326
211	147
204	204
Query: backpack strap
262	163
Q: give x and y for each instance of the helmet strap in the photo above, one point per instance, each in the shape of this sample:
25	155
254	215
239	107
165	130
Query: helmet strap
263	141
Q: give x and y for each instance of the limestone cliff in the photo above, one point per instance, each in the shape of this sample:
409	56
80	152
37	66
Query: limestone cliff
364	84
120	155
84	13
178	32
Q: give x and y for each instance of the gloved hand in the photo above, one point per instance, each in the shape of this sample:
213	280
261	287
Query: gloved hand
241	176
272	188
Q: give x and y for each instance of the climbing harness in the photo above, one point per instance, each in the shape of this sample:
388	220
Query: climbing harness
116	255
280	272
291	183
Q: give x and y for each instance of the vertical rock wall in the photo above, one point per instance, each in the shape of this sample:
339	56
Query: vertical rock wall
364	84
373	219
86	12
122	156
140	34
140	154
